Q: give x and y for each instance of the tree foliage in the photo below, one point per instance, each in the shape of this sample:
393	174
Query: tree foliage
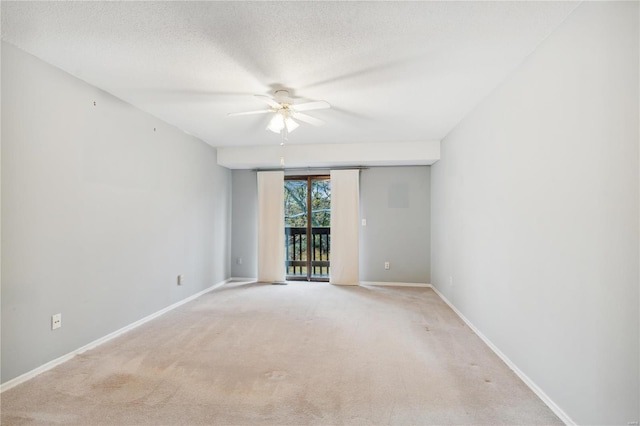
295	203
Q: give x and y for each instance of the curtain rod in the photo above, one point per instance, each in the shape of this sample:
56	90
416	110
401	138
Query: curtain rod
309	169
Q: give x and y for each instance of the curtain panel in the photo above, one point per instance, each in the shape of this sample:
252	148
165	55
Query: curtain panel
271	260
345	227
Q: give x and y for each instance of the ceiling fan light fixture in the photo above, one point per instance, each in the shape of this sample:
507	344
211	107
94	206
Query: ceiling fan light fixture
291	125
276	124
285	111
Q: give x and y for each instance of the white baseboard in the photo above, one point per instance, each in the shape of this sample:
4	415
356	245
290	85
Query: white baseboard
64	358
394	284
541	394
373	283
243	279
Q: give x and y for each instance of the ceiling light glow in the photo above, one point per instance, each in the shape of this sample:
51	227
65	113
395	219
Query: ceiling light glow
276	124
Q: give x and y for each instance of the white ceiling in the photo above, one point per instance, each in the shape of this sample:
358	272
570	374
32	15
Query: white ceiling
392	71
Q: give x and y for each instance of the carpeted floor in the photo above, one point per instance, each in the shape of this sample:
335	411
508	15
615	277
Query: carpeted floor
300	354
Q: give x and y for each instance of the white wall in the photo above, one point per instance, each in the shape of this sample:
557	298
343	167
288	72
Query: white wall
395	203
102	207
397	229
535	215
244	242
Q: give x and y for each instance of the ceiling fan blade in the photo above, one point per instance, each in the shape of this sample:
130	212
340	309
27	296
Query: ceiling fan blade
261	111
308	106
269	101
307	119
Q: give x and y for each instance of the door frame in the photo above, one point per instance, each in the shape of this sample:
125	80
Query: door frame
309	276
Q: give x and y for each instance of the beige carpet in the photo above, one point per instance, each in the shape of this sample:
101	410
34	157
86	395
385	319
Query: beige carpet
286	355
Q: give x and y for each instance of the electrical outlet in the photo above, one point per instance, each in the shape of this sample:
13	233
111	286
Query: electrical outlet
387	265
56	321
239	261
180	279
451	281
364	222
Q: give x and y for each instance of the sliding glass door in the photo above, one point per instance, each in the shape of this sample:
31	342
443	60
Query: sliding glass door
307	211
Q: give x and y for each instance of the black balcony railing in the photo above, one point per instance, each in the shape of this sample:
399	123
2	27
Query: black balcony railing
296	251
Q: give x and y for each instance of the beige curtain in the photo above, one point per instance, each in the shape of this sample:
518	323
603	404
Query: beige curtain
271	227
345	221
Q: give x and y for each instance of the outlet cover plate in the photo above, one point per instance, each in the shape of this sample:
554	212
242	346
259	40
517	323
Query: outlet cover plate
56	321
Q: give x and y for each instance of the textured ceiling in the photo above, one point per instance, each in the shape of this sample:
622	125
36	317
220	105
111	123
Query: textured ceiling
392	71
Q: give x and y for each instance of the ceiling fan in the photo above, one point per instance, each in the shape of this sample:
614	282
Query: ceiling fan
285	111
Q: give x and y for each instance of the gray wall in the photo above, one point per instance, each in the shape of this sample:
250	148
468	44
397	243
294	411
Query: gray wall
395	201
244	221
100	213
535	215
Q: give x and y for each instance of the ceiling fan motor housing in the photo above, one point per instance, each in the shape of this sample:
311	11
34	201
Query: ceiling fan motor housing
282	97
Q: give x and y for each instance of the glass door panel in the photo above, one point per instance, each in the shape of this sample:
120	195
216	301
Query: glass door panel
320	227
295	226
307	211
